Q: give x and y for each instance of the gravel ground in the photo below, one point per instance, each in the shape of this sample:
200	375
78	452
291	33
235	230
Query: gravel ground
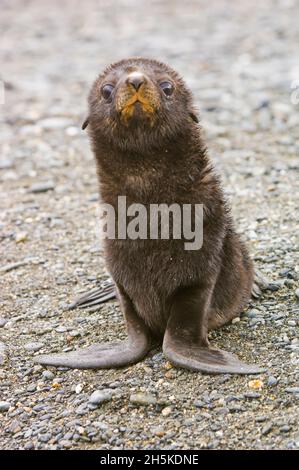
239	58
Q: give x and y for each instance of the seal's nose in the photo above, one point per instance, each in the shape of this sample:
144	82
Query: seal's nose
136	79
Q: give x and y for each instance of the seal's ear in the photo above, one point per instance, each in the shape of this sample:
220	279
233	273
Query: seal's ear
85	123
193	116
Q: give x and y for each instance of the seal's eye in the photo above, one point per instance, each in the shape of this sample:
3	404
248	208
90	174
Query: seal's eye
167	88
107	91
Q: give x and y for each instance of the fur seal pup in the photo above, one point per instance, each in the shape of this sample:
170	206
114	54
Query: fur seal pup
148	147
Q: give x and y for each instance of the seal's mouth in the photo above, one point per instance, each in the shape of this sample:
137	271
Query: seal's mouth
137	103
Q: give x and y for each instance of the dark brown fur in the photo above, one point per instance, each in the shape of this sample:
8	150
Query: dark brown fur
174	168
148	147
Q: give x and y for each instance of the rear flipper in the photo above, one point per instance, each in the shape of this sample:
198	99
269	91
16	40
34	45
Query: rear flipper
108	355
185	342
95	297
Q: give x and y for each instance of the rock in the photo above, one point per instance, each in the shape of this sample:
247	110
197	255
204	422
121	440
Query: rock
4	406
292	390
34	346
166	411
272	381
82	409
100	396
48	375
42	187
285	428
65	443
143	399
3	350
252	395
5	164
266	429
45	437
29	446
297	293
21	237
3	322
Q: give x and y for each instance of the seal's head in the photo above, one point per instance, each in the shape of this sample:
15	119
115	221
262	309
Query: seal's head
138	103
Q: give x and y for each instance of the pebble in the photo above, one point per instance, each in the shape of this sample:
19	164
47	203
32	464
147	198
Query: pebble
297	293
29	446
292	389
65	443
166	411
252	395
100	396
42	187
266	429
143	399
82	409
45	437
3	322
3	350
33	346
272	381
4	406
48	375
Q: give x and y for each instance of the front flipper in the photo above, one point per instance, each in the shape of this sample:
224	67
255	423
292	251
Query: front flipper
185	341
95	297
108	355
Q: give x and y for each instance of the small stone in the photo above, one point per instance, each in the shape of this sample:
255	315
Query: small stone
34	346
3	350
285	428
82	409
78	388
252	395
29	446
235	320
65	443
260	419
143	399
48	375
41	187
292	390
166	411
45	437
21	237
266	429
272	381
15	427
4	406
297	293
3	322
72	131
100	396
158	431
